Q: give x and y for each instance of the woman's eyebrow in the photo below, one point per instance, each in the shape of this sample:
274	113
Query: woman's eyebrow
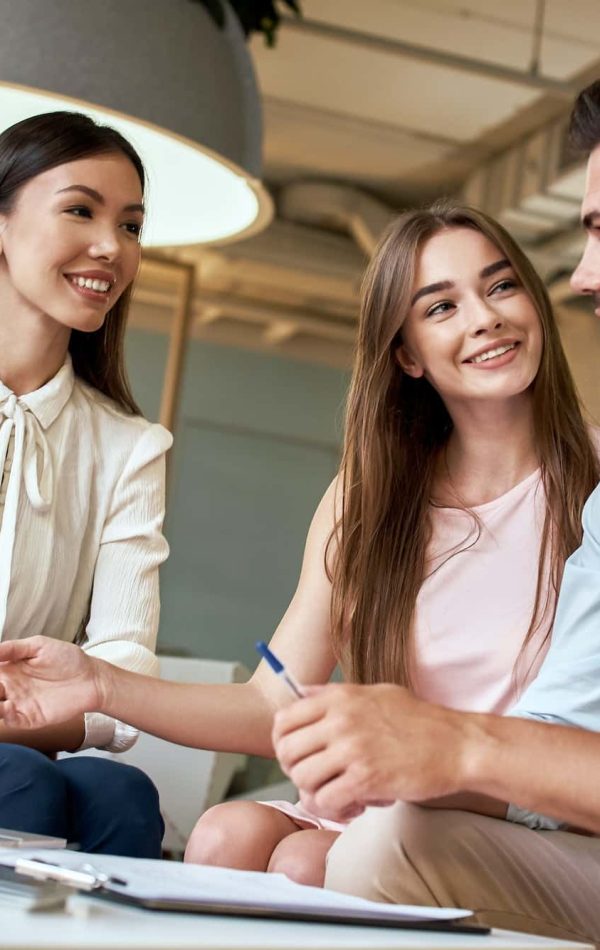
449	284
432	289
96	196
493	268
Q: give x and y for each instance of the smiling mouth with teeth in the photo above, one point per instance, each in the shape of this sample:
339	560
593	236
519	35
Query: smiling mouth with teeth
89	283
490	354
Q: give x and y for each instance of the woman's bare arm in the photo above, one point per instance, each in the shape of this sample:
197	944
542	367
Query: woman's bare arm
48	682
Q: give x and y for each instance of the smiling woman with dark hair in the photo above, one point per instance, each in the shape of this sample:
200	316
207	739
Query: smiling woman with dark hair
81	472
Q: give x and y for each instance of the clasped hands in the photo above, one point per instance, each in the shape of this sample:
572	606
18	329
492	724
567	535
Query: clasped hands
347	747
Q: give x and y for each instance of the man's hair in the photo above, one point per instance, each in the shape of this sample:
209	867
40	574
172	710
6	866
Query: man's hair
584	125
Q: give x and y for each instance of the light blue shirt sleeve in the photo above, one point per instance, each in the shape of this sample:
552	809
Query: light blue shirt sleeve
567	689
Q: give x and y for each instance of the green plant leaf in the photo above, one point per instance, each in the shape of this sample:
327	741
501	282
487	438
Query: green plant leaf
255	16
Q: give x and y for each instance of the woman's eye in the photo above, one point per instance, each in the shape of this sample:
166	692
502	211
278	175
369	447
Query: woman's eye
132	227
440	309
507	284
80	211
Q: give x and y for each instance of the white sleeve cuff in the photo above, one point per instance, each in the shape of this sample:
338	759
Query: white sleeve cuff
532	820
103	732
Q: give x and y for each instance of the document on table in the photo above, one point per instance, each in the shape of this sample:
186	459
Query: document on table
170	885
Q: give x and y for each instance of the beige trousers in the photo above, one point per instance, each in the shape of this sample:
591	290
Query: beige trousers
543	882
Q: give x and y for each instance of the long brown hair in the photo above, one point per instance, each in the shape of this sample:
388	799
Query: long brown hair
36	145
395	429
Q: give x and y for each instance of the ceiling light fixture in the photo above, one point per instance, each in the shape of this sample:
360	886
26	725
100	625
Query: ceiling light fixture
179	88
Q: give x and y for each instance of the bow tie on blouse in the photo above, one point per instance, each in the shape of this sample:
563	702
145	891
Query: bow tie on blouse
32	461
25	419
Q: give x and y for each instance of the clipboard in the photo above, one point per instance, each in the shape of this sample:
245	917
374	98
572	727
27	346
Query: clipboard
317	915
299	903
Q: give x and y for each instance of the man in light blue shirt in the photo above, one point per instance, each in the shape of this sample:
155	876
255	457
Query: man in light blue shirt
570	677
567	689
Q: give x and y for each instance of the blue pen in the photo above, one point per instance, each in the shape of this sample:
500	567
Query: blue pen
278	668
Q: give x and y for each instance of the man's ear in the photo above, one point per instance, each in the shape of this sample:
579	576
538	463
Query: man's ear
405	360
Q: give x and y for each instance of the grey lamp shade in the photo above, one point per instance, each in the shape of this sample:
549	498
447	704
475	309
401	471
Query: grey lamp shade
162	63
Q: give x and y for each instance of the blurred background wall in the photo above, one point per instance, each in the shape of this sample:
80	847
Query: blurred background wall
369	108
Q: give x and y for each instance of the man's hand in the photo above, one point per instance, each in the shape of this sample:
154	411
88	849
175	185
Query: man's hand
347	747
45	681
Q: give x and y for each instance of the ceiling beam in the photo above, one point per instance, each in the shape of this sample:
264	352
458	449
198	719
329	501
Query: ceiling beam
395	47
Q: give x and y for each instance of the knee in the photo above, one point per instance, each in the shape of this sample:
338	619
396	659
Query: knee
132	790
236	835
402	854
375	856
29	773
104	789
128	789
354	861
210	840
134	796
436	837
113	807
297	862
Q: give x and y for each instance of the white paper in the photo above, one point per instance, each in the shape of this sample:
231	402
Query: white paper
170	880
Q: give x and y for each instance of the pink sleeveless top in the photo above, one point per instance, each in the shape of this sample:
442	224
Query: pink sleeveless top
474	609
475	605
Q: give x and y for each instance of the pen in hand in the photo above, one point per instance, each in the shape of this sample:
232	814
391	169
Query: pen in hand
278	668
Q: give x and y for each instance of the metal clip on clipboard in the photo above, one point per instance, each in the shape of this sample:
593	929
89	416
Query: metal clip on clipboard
85	878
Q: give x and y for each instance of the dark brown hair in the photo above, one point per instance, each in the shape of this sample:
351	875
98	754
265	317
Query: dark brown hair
395	429
584	124
34	146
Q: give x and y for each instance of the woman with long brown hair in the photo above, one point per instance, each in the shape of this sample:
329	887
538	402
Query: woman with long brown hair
434	558
404	437
81	472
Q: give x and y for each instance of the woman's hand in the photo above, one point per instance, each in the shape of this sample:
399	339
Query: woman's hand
45	681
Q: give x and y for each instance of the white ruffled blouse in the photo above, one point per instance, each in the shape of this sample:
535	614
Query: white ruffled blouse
82	505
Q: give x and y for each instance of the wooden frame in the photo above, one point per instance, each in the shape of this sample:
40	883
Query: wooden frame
182	277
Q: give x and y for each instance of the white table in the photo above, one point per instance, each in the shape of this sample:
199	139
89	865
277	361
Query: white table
94	925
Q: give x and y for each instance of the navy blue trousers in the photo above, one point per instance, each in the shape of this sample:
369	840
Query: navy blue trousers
106	807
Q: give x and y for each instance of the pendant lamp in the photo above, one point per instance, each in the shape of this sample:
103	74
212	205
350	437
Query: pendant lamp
181	89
